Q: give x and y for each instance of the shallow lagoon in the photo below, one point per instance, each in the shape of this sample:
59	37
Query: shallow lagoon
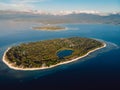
64	53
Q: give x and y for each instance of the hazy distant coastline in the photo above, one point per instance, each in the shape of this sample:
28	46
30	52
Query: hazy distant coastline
83	18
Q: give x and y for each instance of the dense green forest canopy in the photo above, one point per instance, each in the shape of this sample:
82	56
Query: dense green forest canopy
44	53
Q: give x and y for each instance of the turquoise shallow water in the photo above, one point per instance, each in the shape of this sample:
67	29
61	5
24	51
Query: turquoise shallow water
99	69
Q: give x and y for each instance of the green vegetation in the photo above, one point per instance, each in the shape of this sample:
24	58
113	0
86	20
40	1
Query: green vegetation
49	28
44	53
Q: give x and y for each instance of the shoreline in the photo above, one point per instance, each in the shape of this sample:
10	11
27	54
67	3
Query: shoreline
10	65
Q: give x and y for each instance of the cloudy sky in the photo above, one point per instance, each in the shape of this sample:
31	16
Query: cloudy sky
57	5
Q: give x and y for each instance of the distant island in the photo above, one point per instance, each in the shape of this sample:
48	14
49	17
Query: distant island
49	53
51	28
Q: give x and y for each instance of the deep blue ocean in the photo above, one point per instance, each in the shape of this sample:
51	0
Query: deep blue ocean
99	70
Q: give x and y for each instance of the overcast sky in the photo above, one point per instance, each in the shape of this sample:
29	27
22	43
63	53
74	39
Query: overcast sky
57	5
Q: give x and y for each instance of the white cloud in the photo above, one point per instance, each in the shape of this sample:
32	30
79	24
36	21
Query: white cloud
14	6
27	1
21	5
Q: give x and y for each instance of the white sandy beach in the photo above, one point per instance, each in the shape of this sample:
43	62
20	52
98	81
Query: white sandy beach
41	68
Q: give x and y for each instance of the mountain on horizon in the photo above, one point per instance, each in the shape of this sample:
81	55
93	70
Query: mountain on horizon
113	18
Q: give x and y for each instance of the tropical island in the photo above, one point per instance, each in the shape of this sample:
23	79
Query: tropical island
51	28
49	53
